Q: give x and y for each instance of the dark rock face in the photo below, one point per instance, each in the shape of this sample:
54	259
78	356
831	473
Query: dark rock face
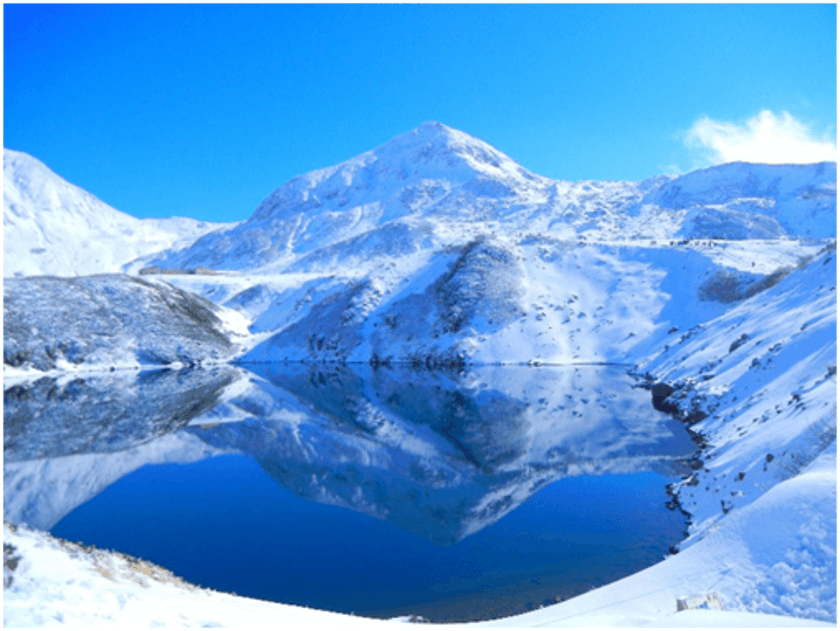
660	394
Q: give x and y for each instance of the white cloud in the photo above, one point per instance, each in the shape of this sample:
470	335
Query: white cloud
766	138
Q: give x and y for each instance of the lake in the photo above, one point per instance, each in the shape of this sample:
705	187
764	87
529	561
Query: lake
452	495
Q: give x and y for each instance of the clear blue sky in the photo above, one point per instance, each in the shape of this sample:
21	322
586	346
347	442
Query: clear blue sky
203	110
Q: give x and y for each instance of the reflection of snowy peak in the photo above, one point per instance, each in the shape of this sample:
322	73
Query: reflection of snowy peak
53	227
441	454
472	446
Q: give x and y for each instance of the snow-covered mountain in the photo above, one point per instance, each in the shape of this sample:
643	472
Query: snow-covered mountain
436	185
436	250
51	227
503	265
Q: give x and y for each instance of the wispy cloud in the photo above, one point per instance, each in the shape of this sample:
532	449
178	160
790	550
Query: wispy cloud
764	138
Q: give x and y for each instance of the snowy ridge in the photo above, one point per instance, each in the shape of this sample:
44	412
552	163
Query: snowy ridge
773	200
53	227
463	187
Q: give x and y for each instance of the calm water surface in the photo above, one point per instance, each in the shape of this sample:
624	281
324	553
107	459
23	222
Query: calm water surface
389	492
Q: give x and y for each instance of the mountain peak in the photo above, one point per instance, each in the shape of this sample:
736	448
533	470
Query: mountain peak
433	142
430	152
432	127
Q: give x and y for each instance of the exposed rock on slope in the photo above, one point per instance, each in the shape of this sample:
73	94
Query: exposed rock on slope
108	320
760	384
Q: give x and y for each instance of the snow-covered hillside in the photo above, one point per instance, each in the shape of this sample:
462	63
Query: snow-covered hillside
538	300
53	227
436	250
109	320
503	265
760	383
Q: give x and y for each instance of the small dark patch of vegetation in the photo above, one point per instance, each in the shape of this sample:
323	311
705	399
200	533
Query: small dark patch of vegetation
739	342
14	358
728	286
10	563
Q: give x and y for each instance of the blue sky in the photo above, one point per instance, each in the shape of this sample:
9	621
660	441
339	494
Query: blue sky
203	110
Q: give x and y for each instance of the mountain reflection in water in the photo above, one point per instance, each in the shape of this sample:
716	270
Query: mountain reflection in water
440	455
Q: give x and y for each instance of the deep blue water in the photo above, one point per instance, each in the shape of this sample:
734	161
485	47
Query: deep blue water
224	523
452	495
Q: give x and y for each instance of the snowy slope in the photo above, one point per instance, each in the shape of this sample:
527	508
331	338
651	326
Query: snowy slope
109	320
53	227
507	301
765	374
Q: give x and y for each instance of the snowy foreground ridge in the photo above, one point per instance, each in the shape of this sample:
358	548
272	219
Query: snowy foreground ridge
717	290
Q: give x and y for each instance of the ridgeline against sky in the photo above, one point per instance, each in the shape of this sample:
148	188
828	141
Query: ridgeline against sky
203	110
